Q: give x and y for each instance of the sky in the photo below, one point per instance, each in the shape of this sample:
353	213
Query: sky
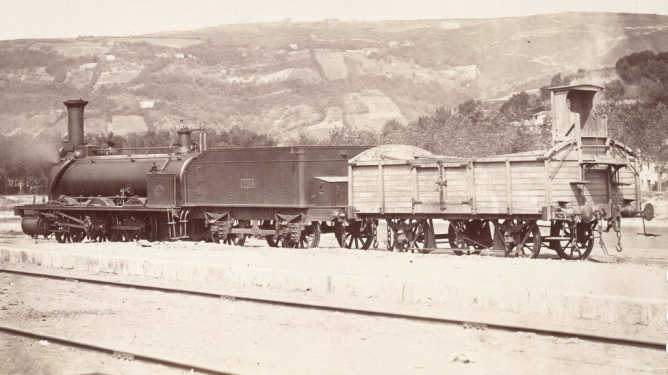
70	18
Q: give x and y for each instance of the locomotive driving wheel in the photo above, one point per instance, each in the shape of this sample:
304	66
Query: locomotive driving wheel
70	234
357	235
135	226
103	233
114	234
575	241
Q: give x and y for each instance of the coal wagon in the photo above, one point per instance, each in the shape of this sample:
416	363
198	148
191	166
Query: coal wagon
496	203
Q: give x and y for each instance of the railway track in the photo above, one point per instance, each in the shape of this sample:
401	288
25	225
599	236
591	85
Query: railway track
442	319
121	353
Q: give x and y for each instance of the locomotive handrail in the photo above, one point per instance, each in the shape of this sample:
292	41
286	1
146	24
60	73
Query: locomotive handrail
105	151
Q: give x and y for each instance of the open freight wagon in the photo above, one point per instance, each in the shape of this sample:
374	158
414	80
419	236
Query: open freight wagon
496	202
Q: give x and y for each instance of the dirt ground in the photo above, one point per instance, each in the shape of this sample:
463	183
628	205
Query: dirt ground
250	338
21	355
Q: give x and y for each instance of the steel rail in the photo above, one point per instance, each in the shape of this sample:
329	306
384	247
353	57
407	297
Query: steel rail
111	350
613	339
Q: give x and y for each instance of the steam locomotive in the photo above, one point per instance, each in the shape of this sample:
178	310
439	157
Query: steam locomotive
292	195
289	195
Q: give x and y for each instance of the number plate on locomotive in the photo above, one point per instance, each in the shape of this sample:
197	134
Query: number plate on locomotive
246	183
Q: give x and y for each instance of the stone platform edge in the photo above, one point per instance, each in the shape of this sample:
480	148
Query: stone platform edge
565	305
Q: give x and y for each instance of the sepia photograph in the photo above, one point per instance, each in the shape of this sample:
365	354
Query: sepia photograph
333	187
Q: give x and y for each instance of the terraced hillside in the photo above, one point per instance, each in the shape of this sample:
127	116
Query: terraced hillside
283	79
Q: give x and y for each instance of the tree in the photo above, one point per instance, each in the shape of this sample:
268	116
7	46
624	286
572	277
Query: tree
391	127
240	137
614	89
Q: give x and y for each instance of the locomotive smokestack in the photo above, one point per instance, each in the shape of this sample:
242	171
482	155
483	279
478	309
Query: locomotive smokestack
184	140
75	121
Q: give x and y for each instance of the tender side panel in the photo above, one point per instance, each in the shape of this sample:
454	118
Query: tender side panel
366	189
527	185
398	188
239	177
491	188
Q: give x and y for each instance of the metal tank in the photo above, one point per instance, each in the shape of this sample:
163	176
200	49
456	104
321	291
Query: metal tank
82	172
110	175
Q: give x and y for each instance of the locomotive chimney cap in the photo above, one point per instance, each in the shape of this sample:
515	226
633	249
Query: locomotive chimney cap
75	102
577	87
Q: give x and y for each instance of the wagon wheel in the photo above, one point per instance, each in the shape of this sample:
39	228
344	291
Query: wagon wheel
528	238
269	224
354	236
579	244
310	236
393	233
474	230
236	239
424	237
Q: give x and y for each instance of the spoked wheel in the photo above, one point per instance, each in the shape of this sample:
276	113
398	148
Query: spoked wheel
146	224
408	234
97	231
71	234
476	230
269	224
521	238
77	235
575	244
104	234
116	235
424	237
357	235
62	237
310	236
236	239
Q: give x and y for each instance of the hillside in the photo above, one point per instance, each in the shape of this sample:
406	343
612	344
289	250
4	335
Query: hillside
283	79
